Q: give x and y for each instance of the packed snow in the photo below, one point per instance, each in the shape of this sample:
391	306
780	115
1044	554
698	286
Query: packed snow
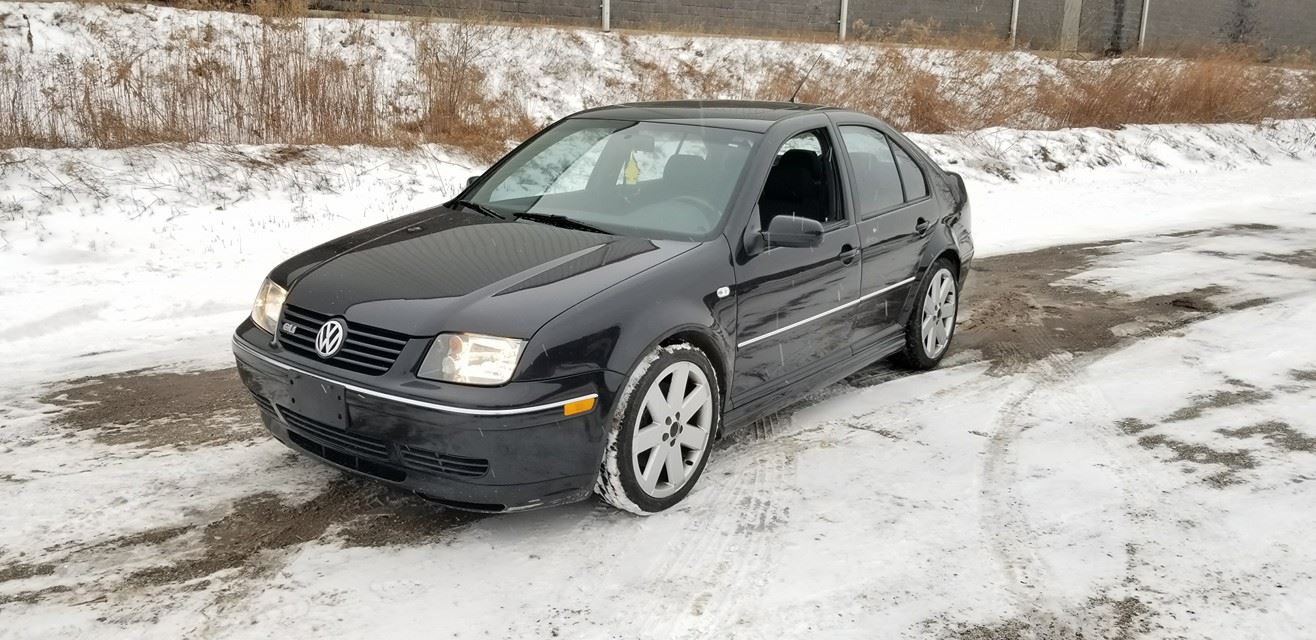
1159	489
930	505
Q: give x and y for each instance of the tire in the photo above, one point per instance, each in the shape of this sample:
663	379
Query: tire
923	351
642	427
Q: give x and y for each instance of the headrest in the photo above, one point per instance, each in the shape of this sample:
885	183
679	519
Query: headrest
684	168
795	176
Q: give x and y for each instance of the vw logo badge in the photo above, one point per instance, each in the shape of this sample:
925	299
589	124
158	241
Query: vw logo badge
329	339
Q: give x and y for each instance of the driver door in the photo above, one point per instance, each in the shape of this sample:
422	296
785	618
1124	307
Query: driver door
795	305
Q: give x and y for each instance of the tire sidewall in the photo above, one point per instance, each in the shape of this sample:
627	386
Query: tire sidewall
626	423
915	352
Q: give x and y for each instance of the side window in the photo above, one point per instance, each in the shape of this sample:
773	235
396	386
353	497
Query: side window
803	181
877	180
916	185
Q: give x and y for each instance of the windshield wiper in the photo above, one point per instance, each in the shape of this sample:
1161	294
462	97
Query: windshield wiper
479	208
560	221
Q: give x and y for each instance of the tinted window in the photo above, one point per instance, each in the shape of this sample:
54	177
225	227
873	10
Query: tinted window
802	181
648	179
916	186
561	168
877	181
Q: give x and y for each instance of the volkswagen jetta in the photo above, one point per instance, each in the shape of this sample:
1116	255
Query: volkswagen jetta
595	309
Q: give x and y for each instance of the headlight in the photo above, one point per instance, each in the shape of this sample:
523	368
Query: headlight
470	358
268	305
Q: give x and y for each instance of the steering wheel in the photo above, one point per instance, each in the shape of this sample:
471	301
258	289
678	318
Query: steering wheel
699	206
699	203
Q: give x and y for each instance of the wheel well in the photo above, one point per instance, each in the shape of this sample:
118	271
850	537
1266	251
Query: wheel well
703	343
954	258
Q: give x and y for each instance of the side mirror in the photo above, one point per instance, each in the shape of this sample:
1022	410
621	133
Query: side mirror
792	231
471	180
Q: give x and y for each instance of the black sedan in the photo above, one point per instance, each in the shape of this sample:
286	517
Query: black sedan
600	305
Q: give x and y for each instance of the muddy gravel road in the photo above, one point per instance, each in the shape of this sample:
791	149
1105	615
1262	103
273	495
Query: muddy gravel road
1115	448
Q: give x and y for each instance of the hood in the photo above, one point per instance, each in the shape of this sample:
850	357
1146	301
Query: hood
445	270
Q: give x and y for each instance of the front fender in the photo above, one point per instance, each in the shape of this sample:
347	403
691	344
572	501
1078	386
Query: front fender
615	328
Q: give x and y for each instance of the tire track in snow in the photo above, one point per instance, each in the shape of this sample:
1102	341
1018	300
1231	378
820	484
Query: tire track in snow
1006	522
726	555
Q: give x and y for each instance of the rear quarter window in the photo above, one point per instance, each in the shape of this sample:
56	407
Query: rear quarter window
876	179
911	176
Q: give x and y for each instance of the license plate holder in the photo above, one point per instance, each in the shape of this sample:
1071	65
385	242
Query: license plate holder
319	400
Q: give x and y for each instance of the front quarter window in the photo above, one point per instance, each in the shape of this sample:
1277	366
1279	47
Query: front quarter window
646	179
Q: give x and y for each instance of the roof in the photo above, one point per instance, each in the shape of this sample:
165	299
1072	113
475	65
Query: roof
731	114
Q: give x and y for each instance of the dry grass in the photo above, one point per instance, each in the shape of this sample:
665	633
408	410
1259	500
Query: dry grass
281	83
1193	91
281	89
964	93
457	108
961	95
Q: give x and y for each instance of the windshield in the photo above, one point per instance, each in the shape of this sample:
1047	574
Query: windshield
648	179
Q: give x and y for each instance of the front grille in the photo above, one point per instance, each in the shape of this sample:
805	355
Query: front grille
354	443
366	349
426	460
369	467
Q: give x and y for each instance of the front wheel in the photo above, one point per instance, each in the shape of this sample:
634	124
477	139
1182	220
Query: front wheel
661	431
931	324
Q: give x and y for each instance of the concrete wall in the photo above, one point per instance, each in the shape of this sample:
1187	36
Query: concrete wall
1275	24
568	12
945	16
1102	25
735	16
1110	25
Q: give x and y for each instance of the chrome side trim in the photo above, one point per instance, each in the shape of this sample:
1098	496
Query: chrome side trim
824	314
240	344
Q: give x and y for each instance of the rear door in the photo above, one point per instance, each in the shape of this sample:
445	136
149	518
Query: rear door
895	211
795	305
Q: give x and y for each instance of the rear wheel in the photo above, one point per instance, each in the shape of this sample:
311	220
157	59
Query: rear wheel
931	325
662	431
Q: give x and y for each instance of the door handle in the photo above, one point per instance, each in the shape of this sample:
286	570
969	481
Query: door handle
848	254
922	226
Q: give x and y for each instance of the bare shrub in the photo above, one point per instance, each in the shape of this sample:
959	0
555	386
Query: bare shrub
458	107
280	84
281	79
280	87
1135	92
895	88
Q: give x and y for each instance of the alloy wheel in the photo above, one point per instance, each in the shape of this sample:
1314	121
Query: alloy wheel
939	313
673	431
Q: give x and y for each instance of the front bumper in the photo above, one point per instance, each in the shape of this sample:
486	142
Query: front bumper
467	455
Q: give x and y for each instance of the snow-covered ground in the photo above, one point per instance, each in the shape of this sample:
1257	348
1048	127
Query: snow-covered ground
1161	489
1158	489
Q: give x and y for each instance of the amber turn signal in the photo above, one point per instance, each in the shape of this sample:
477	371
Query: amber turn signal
574	407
